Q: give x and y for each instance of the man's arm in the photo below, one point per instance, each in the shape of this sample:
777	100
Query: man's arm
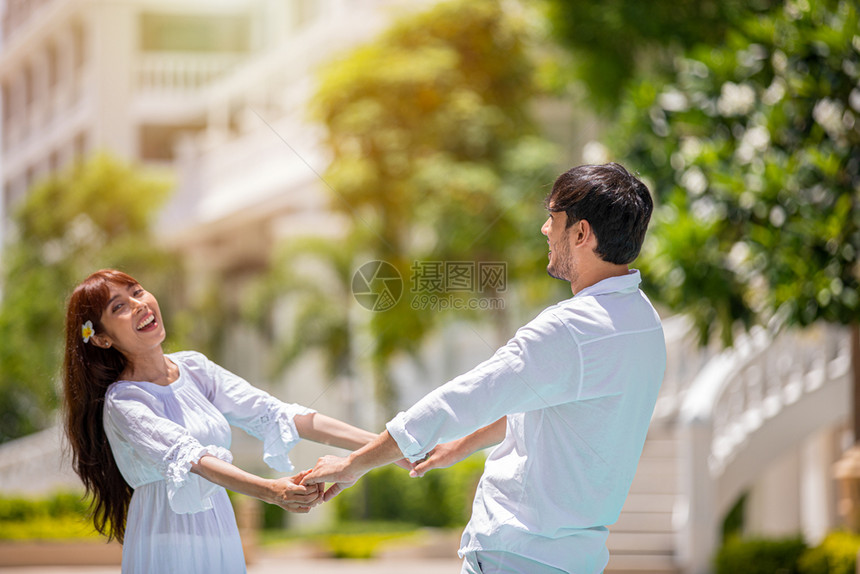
344	472
531	372
450	453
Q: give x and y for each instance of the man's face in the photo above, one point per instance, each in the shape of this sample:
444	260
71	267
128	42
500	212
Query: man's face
561	264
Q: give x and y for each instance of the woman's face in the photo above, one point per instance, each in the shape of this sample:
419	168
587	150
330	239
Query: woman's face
131	320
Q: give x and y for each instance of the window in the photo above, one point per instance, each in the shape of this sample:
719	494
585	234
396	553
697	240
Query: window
157	142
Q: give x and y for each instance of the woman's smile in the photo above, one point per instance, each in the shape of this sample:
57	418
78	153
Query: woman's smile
148	323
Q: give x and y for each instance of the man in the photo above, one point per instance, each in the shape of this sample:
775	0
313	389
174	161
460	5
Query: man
570	397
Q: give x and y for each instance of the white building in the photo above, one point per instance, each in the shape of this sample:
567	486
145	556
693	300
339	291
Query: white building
139	77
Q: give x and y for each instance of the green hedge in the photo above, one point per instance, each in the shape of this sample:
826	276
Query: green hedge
442	498
760	556
61	516
837	554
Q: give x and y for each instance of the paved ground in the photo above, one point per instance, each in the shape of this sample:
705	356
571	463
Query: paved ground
435	554
275	565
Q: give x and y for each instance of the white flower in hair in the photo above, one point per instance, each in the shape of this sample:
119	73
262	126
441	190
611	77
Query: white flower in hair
87	331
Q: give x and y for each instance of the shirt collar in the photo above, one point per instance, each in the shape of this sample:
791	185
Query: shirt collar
621	284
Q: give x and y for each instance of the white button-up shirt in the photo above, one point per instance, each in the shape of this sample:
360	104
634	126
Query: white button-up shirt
578	385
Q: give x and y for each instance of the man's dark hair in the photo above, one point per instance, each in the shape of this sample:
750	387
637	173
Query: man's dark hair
614	202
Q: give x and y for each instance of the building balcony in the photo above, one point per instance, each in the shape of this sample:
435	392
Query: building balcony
182	72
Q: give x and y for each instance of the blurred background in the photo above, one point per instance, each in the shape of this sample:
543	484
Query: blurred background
246	159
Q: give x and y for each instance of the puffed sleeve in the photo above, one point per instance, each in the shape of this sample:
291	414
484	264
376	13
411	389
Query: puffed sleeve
258	413
145	443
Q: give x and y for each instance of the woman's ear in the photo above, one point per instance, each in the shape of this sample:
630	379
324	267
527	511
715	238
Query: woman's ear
101	341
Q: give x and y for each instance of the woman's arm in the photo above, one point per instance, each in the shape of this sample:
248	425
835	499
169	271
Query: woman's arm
327	430
284	492
450	453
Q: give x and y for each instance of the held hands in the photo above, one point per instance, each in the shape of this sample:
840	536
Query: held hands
343	473
307	489
334	469
291	495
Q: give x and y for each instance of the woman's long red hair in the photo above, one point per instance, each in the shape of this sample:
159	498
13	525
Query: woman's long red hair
88	370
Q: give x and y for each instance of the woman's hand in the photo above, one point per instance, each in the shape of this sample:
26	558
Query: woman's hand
292	496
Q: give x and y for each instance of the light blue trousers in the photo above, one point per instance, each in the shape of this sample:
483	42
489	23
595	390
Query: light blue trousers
495	562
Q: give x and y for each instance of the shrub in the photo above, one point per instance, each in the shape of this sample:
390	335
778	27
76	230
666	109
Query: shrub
61	516
363	539
837	554
441	499
19	509
760	556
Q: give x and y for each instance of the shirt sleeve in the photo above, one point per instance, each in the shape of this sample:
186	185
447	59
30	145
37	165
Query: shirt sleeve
259	414
132	416
539	367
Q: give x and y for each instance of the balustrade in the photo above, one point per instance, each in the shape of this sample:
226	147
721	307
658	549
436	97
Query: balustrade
748	403
181	71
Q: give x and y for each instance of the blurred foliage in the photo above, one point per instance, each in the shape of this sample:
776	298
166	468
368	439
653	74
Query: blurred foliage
352	540
836	554
653	32
60	516
751	146
317	274
93	215
363	545
439	499
435	157
760	556
733	523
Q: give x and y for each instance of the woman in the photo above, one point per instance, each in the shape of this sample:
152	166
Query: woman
149	434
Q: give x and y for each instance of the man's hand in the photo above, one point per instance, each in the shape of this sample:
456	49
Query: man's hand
442	456
334	469
450	453
291	495
343	472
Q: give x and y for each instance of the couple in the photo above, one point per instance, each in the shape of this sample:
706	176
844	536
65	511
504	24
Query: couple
568	400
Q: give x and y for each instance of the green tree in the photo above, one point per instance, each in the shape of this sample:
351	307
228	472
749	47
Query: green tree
95	214
316	273
615	41
434	157
753	147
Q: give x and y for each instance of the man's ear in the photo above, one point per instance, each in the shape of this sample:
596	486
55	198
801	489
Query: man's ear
101	341
582	232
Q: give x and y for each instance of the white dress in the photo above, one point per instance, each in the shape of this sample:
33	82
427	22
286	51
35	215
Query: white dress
177	520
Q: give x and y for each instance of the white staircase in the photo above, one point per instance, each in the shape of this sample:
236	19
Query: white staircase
643	539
